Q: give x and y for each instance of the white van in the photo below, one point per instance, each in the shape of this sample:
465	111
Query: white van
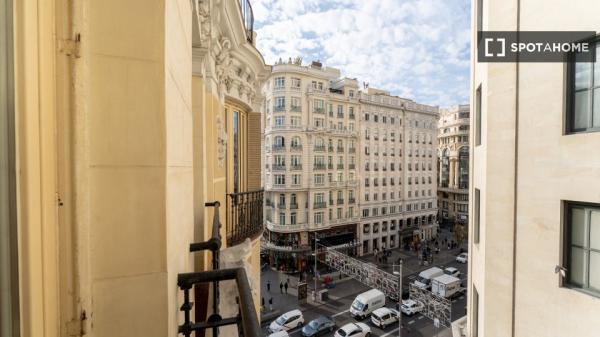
423	281
364	304
445	286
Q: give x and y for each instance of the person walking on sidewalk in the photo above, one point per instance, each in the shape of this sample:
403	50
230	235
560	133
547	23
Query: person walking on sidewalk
281	287
269	286
286	287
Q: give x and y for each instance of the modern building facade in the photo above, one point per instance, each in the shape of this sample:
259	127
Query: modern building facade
318	128
397	172
534	252
453	165
311	141
128	132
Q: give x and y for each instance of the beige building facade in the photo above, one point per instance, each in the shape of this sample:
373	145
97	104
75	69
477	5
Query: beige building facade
397	172
311	141
534	267
453	165
119	121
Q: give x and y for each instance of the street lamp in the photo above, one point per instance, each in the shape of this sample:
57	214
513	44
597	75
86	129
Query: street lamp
315	273
398	272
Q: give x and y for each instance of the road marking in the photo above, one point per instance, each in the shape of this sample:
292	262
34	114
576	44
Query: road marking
340	313
420	317
411	322
389	333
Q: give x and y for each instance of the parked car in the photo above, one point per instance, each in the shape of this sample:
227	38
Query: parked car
289	320
279	334
462	258
354	330
452	272
318	326
411	307
366	303
383	317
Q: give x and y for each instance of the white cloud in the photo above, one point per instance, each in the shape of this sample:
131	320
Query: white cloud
415	48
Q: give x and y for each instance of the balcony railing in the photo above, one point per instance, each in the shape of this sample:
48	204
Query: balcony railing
245	218
278	167
319	148
319	205
294	206
296	109
246	320
248	17
296	148
319	167
296	167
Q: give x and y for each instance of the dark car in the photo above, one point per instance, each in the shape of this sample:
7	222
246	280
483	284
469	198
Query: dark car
318	326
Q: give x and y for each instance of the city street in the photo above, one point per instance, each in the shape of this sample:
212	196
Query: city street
342	295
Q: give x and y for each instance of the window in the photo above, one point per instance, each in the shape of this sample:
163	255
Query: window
583	111
318	218
279	179
295	104
296	179
582	246
293	218
477	219
279	82
319	179
279	121
478	116
282	219
295	121
296	82
319	106
279	103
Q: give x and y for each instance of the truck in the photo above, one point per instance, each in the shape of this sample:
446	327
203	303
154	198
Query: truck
364	304
423	281
446	286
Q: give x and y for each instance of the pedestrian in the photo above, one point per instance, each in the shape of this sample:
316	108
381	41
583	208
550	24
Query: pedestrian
286	287
281	287
271	304
269	286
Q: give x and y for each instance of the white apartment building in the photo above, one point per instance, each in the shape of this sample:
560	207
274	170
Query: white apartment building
398	146
311	141
453	165
534	255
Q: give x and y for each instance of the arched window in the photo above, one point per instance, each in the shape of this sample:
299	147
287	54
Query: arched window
445	169
463	167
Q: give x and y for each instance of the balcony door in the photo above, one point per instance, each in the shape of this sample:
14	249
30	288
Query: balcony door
9	300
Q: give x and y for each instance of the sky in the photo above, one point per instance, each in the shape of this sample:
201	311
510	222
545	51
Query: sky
417	49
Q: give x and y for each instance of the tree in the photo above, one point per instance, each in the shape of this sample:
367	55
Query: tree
460	233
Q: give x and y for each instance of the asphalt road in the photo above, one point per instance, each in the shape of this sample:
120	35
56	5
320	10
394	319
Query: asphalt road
415	326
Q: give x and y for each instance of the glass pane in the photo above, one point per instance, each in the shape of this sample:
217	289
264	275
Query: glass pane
595	270
583	70
577	266
596	113
582	110
595	230
597	67
578	227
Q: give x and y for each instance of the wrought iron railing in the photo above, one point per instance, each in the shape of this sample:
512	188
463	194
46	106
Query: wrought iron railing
247	320
248	17
245	216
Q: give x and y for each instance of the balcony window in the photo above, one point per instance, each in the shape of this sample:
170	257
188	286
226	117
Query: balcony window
583	109
279	104
279	82
582	246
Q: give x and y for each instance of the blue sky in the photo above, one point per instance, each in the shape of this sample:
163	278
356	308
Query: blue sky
418	49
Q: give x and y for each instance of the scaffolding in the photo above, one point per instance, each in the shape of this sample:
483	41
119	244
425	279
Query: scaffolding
365	273
436	307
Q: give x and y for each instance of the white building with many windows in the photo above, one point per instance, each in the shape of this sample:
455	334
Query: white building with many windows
398	199
314	185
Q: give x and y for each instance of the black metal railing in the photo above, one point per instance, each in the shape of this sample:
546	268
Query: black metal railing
248	17
247	320
245	216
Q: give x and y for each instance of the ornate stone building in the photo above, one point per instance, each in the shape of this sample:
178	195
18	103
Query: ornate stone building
453	165
135	131
311	154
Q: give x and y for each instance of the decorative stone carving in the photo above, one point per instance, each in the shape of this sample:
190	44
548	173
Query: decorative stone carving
221	141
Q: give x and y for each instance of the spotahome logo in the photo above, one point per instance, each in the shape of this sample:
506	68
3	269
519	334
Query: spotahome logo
539	46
